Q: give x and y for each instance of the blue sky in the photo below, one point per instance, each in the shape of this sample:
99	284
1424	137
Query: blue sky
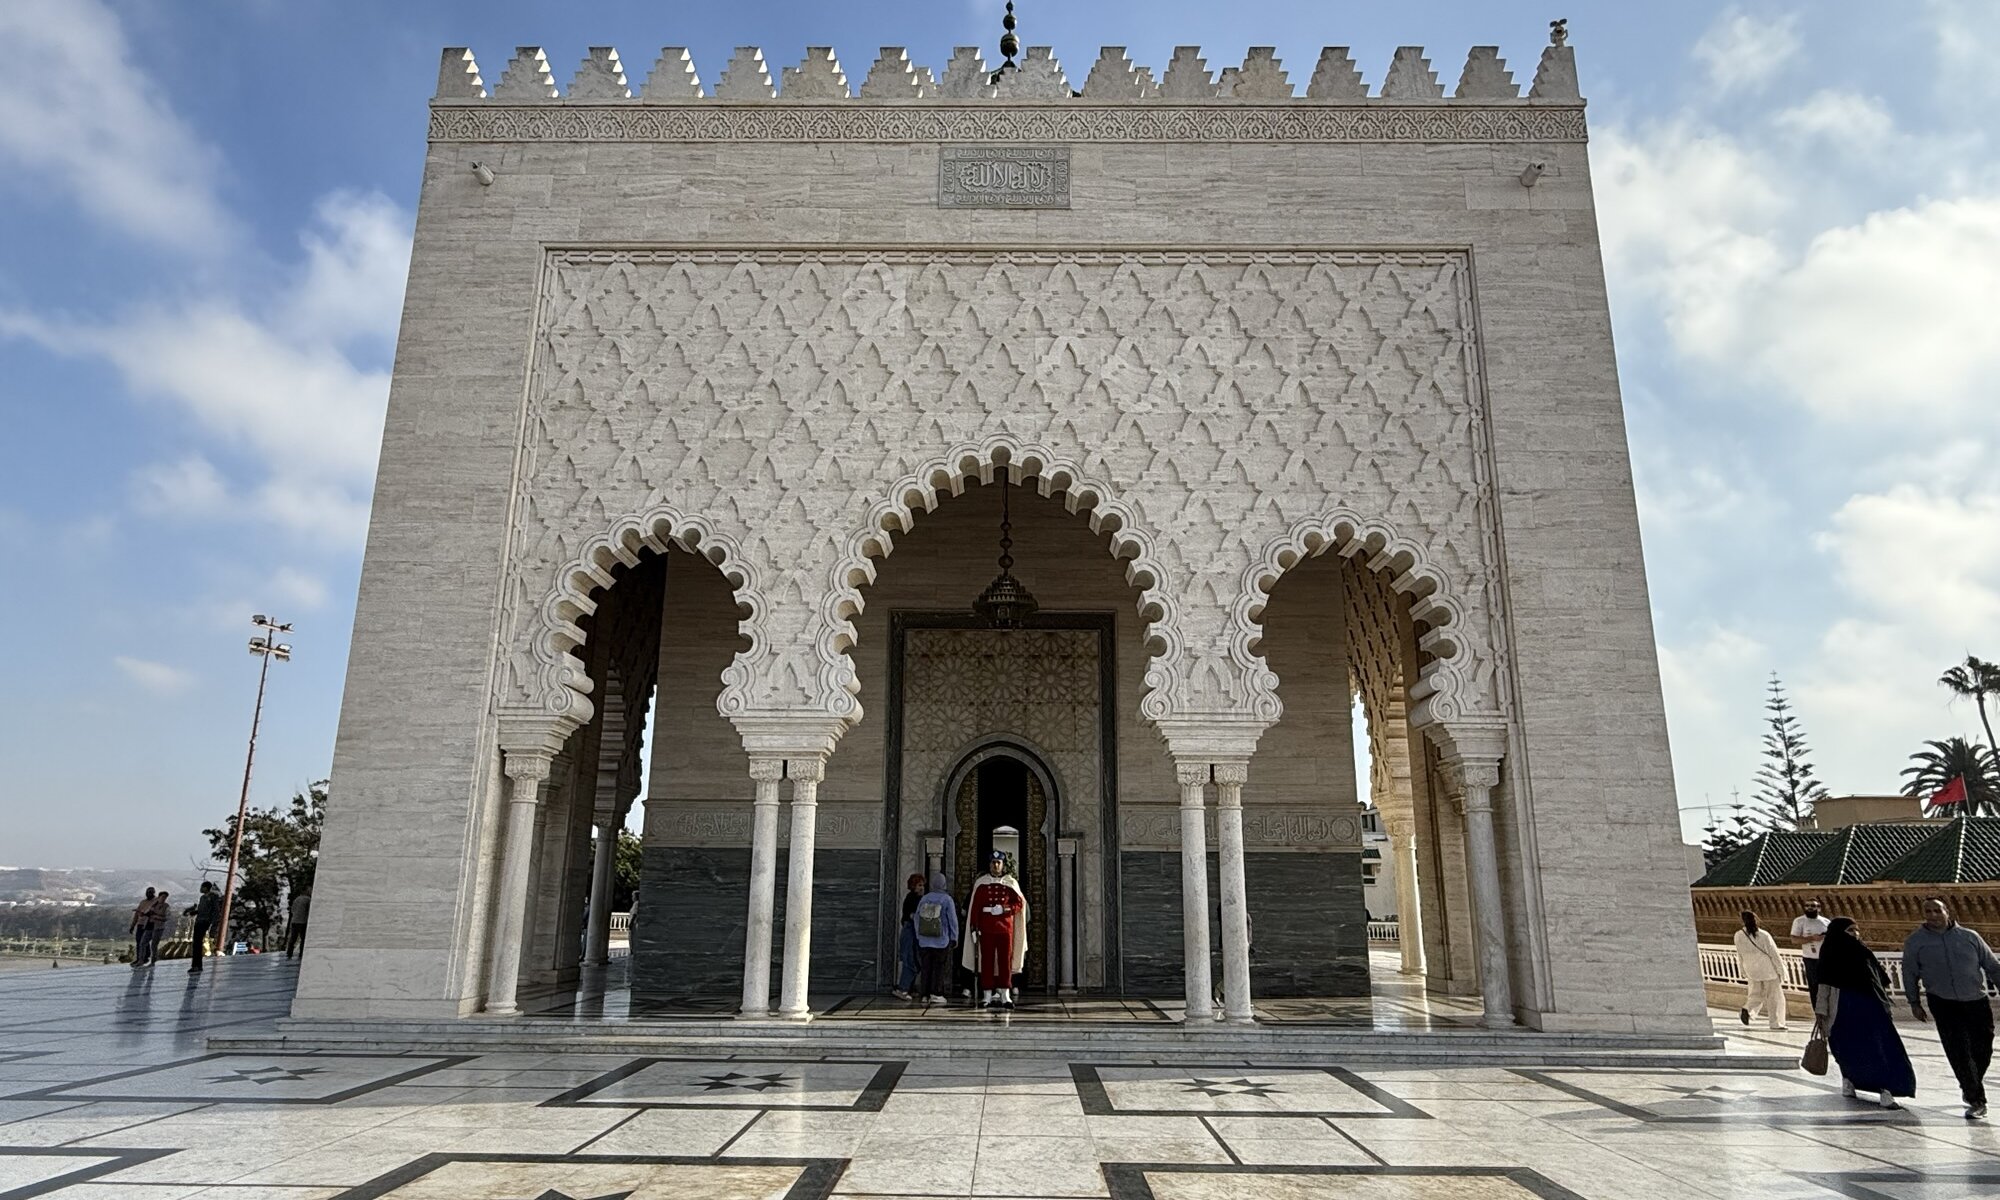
208	208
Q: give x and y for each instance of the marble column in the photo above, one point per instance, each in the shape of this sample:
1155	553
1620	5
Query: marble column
1409	903
1066	849
805	774
766	773
527	778
597	938
1193	777
1229	779
1478	778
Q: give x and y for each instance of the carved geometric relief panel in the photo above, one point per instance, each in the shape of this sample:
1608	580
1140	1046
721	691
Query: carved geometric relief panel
791	399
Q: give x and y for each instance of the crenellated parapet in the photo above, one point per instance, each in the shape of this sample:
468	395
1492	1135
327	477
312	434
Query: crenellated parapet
1189	99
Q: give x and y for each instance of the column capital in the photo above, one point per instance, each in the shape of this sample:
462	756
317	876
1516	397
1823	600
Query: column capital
1232	773
788	733
1191	773
1398	825
811	769
767	770
534	732
527	770
1211	736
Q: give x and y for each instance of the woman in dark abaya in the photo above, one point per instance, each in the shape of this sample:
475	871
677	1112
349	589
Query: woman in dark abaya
1853	1004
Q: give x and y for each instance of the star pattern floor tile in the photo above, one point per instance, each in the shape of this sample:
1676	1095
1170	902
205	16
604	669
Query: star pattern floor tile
740	1083
252	1079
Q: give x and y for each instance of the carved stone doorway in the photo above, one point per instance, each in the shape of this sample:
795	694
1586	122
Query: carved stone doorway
1003	787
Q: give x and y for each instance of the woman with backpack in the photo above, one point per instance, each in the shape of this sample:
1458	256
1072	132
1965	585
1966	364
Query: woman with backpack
936	927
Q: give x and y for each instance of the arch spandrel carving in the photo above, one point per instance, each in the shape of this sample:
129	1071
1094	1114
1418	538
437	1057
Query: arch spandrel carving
807	403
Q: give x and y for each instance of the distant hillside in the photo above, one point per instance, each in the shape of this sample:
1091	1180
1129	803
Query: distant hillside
90	885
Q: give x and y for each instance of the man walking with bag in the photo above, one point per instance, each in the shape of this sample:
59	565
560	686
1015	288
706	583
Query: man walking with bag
1954	964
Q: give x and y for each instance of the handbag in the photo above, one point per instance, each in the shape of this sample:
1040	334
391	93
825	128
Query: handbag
1814	1058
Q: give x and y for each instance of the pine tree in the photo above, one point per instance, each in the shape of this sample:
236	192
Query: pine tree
1725	838
1786	788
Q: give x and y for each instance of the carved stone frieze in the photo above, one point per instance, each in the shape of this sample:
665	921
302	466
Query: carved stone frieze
1074	121
1218	414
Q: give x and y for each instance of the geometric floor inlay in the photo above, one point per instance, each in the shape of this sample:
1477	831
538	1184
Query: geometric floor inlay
252	1079
851	1086
1678	1098
39	1170
1131	1091
601	1177
1147	1181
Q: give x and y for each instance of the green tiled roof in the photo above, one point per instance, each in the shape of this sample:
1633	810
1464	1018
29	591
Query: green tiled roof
1858	853
1966	850
1765	860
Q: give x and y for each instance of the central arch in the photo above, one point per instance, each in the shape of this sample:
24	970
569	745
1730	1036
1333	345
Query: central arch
962	814
977	463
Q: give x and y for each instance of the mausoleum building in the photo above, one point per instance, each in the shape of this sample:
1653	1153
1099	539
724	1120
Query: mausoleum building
715	398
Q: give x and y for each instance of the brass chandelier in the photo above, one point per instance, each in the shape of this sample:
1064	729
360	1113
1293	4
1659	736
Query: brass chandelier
1005	604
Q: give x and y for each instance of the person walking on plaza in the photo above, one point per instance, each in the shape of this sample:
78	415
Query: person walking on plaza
207	912
906	940
145	930
1853	1006
295	924
936	927
1954	964
1808	930
1764	969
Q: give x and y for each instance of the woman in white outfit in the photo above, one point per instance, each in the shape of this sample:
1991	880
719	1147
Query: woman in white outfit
1764	968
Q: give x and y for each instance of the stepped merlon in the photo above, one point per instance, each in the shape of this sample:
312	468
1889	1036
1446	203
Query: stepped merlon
1037	78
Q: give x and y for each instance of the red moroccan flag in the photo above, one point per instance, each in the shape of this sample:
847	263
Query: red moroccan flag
1951	794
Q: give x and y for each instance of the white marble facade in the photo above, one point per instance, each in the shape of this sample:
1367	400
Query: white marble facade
738	322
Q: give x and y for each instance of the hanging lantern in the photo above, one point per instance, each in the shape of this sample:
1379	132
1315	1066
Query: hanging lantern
1005	604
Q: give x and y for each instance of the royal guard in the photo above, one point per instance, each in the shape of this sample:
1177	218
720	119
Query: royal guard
998	913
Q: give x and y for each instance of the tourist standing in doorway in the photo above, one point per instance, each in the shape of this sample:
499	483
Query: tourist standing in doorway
1854	1006
295	925
906	940
1764	969
145	931
1808	930
998	915
1954	965
207	913
936	927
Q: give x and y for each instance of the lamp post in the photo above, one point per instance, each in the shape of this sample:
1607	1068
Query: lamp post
265	646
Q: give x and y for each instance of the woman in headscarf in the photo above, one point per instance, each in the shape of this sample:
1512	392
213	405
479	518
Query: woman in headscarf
1853	1004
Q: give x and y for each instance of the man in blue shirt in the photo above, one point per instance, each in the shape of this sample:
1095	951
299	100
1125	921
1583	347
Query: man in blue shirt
1954	964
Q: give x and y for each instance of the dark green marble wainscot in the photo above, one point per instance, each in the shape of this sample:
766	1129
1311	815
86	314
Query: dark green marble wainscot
687	944
1308	923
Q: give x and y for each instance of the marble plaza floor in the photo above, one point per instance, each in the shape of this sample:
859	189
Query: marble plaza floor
108	1089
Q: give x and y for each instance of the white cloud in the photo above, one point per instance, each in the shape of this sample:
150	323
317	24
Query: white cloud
270	378
1742	52
1968	44
1847	121
79	112
157	678
189	486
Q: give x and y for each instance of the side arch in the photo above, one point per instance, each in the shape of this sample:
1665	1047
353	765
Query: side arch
562	685
949	475
1448	688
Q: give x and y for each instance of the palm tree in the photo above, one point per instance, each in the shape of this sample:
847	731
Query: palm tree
1977	678
1932	769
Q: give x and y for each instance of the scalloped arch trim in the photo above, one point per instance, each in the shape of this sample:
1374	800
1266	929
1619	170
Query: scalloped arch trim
949	475
564	683
1374	545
